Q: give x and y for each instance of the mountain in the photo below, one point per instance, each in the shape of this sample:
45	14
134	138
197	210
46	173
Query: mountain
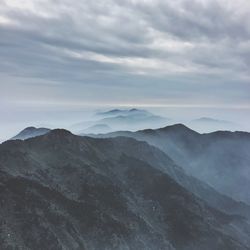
61	191
220	159
210	120
207	124
119	119
111	112
125	112
97	129
132	119
30	132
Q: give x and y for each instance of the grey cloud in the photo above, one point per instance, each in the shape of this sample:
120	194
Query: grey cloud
121	32
195	20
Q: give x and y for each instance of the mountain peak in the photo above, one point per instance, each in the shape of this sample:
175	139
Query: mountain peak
135	110
60	136
177	127
30	128
60	132
30	132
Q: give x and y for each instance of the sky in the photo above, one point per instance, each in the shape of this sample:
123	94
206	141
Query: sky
74	55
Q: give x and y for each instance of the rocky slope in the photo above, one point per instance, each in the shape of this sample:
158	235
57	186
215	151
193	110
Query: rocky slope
222	158
61	191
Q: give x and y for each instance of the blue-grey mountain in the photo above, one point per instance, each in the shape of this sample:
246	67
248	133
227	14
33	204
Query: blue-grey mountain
61	191
30	132
220	159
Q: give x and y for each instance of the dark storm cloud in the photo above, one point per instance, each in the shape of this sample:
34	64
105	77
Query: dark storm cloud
150	50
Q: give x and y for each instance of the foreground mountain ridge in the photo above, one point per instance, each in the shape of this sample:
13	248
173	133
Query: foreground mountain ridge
64	191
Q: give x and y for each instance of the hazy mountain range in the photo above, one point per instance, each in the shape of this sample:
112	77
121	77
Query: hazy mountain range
220	158
120	119
132	120
125	112
61	191
211	121
208	124
137	119
165	188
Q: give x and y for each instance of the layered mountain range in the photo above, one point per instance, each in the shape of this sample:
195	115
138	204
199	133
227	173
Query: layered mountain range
117	119
62	191
166	188
137	119
220	159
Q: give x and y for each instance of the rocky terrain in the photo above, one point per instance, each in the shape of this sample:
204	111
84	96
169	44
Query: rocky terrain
61	191
221	158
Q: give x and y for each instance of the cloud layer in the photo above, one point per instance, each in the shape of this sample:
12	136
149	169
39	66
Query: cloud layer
150	52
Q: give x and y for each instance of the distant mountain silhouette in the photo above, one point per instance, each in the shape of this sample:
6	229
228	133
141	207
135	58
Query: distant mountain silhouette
132	120
210	124
97	129
30	132
125	112
111	112
61	191
210	120
119	119
220	158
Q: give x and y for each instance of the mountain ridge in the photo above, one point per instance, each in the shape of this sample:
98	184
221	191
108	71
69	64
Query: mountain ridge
217	153
30	132
73	186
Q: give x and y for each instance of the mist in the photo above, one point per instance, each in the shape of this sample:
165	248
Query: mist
14	118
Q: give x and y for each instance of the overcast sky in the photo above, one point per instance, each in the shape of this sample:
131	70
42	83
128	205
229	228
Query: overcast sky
80	53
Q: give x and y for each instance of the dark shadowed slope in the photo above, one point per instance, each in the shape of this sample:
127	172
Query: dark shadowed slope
61	191
221	159
30	132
